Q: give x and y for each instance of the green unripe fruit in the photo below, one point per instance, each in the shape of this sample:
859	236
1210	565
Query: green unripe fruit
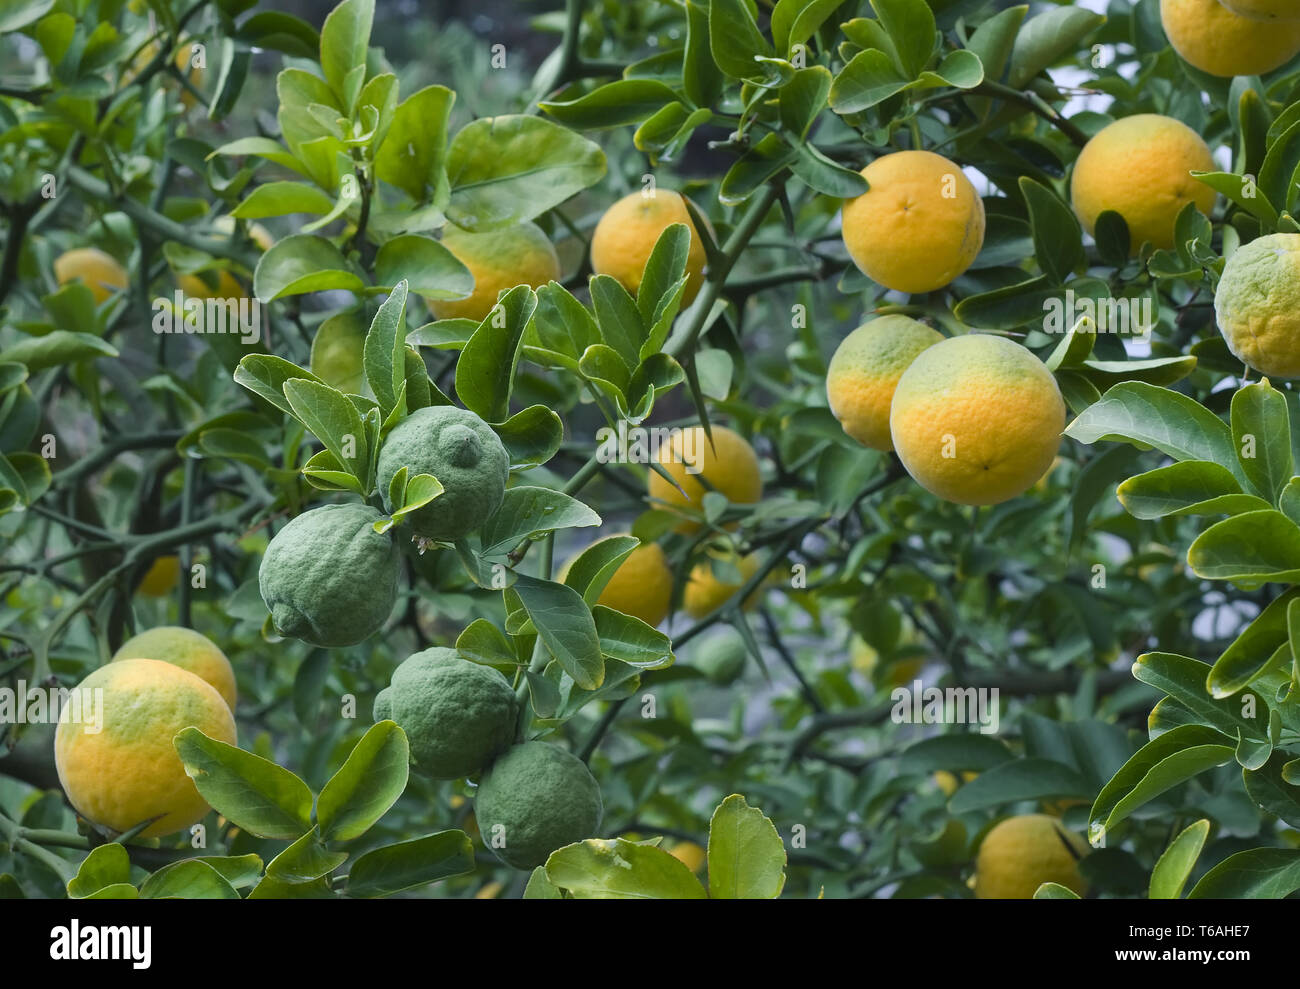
328	577
463	453
542	798
457	715
722	658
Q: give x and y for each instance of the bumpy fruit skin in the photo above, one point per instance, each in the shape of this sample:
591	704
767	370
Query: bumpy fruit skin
642	586
977	419
328	577
543	797
1264	10
705	593
188	649
918	226
463	453
1141	167
129	771
729	464
100	272
627	233
498	260
1210	37
864	372
1257	305
457	715
1022	853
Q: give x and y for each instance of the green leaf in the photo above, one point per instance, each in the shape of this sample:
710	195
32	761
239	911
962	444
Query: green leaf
1261	432
1019	779
1178	426
56	348
664	269
591	569
735	40
541	888
1262	545
1277	176
566	627
189	879
1243	191
630	640
1251	652
994	39
1058	238
15	14
371	780
334	420
281	199
701	79
413	153
618	317
531	436
410	864
1268	786
431	270
1193	487
504	170
746	854
529	512
1048	37
1162	764
1176	862
384	352
300	264
305	861
868	79
343	42
1257	874
615	104
910	25
486	370
1055	891
618	869
1184	680
106	865
955	753
253	793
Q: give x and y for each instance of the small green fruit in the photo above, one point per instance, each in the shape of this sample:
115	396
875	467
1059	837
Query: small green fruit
721	658
541	798
463	453
328	577
457	715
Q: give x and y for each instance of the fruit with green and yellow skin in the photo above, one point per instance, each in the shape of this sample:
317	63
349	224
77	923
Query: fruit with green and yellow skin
728	463
188	649
864	372
534	799
499	260
98	271
1021	853
1257	305
129	772
328	577
977	419
463	453
457	715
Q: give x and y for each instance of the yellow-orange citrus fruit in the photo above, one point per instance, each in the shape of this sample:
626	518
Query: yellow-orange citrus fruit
188	649
99	272
628	231
864	372
947	782
129	772
729	464
705	593
642	586
227	287
499	260
1021	853
1257	304
1267	10
918	226
977	419
1141	167
160	579
1210	37
689	854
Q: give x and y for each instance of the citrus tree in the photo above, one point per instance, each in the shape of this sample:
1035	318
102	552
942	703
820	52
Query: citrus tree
799	448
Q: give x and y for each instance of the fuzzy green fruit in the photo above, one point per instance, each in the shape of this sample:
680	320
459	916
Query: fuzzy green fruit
463	453
328	577
542	798
457	715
